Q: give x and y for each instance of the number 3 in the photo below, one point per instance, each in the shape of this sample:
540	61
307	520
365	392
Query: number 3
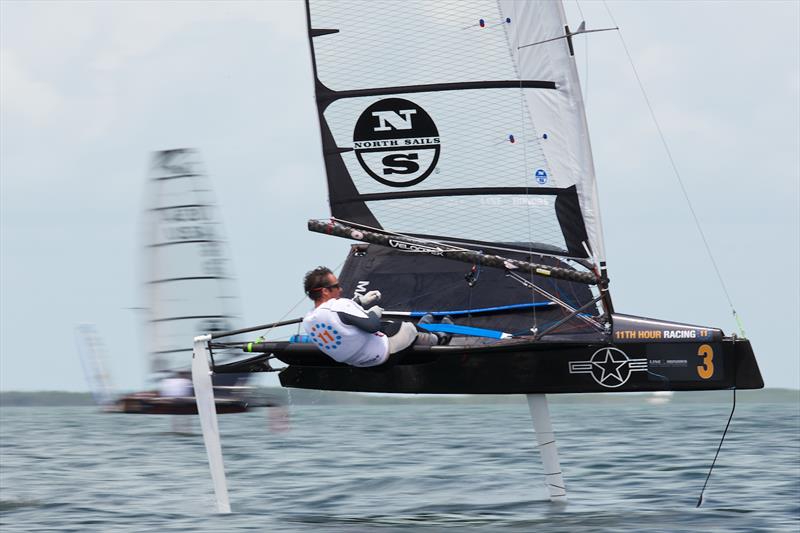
706	370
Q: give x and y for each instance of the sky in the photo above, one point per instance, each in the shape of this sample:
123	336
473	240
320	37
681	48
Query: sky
88	90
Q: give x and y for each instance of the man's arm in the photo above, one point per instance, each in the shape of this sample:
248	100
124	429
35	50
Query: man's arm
370	324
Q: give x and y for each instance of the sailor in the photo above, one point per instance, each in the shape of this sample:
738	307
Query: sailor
350	330
175	386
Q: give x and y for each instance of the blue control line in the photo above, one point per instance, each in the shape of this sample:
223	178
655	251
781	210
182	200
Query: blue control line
465	330
457	312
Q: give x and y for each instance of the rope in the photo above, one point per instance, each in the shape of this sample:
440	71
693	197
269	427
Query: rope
733	408
676	172
291	311
526	173
585	83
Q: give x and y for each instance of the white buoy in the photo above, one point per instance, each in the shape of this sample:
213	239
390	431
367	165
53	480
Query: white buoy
207	409
546	439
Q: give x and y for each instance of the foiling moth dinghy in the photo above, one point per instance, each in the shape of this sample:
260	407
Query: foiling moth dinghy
460	163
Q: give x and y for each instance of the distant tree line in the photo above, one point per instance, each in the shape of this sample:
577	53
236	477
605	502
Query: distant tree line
45	398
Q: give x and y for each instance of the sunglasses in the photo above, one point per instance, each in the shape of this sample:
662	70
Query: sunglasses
329	287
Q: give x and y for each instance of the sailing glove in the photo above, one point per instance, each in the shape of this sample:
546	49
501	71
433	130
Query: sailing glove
367	300
375	310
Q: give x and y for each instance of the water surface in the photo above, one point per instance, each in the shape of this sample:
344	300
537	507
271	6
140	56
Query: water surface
634	467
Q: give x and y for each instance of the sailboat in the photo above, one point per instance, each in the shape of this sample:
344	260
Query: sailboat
94	361
189	287
458	158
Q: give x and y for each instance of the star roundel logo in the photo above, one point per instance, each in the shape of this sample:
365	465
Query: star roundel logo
609	367
396	142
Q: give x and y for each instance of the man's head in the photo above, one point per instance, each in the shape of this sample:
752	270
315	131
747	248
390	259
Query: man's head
321	285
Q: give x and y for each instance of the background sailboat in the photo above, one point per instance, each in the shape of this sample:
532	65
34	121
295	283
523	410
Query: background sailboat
94	361
188	284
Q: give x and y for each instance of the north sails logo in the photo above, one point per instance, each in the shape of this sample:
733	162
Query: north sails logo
610	367
396	142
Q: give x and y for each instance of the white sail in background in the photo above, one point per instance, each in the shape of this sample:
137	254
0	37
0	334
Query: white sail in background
94	360
189	284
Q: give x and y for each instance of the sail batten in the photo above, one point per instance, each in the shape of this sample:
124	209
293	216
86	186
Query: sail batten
190	317
475	191
174	176
189	241
168	207
330	95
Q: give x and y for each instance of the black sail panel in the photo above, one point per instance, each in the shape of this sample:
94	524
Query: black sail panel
423	283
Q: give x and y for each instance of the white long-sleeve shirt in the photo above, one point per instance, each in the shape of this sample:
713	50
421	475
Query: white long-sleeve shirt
344	342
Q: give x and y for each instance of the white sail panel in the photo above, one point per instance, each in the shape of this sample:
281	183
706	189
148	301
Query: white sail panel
380	44
560	112
177	298
496	219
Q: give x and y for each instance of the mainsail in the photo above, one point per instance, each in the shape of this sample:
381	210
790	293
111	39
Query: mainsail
189	285
461	124
459	121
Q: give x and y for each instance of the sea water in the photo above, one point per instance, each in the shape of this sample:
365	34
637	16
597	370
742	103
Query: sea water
405	467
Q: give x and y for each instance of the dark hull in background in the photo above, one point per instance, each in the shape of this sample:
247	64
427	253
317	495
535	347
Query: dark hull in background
230	398
144	404
542	367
